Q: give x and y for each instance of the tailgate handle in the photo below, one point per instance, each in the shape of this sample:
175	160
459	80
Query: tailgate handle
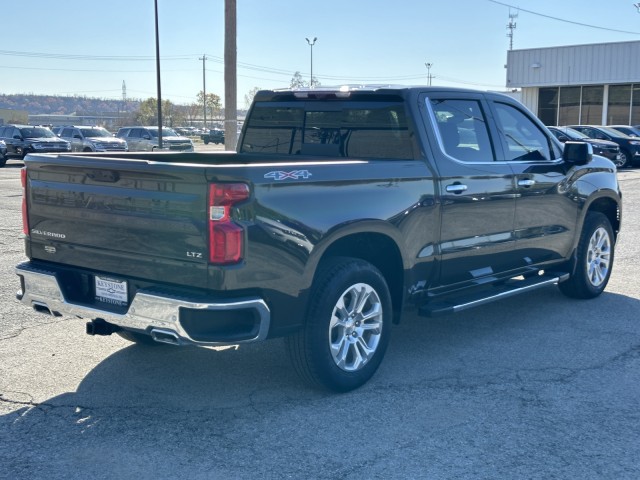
106	176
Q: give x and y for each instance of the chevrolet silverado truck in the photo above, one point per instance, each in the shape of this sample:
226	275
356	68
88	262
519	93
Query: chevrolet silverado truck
341	210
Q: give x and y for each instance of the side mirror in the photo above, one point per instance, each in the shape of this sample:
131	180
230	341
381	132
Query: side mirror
17	137
563	138
577	153
146	137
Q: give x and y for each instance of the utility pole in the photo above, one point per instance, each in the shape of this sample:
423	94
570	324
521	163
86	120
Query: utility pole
158	80
429	76
311	44
637	5
511	27
230	76
204	90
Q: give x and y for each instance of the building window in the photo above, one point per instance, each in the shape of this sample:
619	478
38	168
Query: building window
548	106
569	111
635	105
592	102
619	105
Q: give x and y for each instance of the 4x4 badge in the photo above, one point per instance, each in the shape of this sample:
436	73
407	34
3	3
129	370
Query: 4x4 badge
296	174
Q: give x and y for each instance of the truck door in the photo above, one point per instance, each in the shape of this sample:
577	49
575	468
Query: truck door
546	215
476	191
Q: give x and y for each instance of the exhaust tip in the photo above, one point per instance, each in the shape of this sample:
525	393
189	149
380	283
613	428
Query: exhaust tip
42	308
165	336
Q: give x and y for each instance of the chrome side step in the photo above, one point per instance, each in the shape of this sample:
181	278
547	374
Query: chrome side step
508	289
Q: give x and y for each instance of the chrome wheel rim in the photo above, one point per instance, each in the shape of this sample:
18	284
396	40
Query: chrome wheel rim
622	160
356	327
598	257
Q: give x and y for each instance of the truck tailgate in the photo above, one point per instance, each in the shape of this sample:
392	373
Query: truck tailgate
133	218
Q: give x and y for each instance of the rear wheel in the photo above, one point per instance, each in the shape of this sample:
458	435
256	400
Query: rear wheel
594	259
347	329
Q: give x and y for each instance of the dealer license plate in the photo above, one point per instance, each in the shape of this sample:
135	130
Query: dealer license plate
109	290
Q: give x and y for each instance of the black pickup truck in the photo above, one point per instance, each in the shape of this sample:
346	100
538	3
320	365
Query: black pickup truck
341	210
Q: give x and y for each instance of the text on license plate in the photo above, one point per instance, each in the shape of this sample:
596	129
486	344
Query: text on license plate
109	290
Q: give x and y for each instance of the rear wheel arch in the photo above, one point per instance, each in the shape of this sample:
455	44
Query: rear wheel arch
378	249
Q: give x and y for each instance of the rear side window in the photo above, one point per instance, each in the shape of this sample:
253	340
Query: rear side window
350	129
522	139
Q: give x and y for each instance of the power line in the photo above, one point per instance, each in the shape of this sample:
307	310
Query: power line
563	20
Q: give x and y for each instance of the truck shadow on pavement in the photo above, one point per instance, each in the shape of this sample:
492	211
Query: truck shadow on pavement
156	406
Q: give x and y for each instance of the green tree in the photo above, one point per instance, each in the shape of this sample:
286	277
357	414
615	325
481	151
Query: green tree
214	104
248	98
147	113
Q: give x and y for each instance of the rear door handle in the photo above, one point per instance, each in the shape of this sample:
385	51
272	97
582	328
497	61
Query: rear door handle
526	183
456	188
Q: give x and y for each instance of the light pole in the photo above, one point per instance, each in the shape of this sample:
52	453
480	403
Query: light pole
311	44
204	91
429	77
158	80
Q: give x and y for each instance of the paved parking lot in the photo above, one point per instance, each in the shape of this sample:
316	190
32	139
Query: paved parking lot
537	386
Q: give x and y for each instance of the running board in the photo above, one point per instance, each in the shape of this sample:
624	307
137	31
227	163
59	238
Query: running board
507	289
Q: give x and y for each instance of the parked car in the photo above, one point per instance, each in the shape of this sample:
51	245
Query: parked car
145	139
3	153
605	148
629	146
90	139
215	135
23	139
627	130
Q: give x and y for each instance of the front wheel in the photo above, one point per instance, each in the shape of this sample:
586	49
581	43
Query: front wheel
594	259
347	327
624	159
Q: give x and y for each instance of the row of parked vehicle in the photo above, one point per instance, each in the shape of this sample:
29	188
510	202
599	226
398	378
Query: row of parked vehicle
16	141
618	143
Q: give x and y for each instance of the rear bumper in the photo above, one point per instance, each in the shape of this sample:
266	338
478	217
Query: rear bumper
188	321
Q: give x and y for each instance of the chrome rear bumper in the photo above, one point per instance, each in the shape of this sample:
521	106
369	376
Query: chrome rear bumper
148	311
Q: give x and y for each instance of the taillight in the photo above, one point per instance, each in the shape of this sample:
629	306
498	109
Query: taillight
25	219
225	237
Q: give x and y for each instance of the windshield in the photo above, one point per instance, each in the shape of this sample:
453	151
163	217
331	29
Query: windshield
166	132
36	132
95	132
574	134
613	132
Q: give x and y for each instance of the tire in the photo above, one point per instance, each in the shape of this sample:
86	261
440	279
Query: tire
206	141
3	161
594	259
337	349
624	160
139	338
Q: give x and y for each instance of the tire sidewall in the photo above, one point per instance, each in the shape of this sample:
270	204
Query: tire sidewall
336	282
593	222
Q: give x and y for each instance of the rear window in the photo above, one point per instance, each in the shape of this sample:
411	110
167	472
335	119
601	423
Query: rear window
347	129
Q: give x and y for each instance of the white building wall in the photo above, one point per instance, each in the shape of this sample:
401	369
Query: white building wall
605	63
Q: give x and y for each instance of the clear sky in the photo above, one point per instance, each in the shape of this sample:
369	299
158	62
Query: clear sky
90	48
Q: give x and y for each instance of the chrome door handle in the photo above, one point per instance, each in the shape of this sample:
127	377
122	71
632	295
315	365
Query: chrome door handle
456	188
526	183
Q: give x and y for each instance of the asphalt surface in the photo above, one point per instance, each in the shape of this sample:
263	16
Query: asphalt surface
537	386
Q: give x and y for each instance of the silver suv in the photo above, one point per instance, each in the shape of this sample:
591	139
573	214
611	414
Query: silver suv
90	139
144	139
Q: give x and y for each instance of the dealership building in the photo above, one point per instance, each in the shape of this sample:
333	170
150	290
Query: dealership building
595	84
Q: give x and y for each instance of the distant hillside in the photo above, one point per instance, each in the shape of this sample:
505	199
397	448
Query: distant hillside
56	105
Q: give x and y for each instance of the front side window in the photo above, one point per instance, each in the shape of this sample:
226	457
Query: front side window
521	137
463	129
